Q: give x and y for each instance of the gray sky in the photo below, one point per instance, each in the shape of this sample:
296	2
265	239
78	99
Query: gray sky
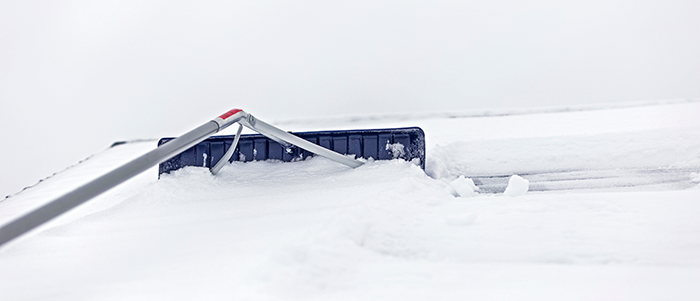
76	76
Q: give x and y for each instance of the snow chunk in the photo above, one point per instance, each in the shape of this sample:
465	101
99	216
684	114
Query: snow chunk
464	187
517	186
695	177
397	150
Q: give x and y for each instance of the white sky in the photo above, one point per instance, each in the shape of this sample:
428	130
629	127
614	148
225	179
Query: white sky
76	76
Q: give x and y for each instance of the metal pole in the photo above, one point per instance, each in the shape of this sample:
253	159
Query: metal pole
214	170
115	177
277	134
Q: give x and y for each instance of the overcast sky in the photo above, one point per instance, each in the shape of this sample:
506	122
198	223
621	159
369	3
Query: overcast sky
76	76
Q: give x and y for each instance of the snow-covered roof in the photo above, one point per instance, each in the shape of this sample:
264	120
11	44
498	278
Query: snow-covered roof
609	211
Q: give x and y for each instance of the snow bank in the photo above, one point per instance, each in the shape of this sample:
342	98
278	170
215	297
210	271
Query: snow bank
654	149
648	148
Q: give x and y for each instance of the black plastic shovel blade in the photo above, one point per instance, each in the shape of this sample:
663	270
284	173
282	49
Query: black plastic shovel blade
379	144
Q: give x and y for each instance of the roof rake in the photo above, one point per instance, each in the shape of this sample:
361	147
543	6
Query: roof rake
198	148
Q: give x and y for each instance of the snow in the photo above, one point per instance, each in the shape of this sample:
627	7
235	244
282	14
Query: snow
695	177
464	187
517	186
318	230
396	149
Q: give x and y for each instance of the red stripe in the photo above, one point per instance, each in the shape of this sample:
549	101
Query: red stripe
230	113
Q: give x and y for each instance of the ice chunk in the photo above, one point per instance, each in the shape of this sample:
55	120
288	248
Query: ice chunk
517	186
464	187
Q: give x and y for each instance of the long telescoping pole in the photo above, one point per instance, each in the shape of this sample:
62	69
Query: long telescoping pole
115	177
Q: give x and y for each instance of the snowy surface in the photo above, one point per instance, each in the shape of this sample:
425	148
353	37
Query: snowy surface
610	212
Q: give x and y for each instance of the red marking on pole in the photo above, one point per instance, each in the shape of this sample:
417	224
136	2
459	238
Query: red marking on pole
230	113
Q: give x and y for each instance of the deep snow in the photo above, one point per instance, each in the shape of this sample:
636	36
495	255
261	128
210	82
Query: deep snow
388	230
